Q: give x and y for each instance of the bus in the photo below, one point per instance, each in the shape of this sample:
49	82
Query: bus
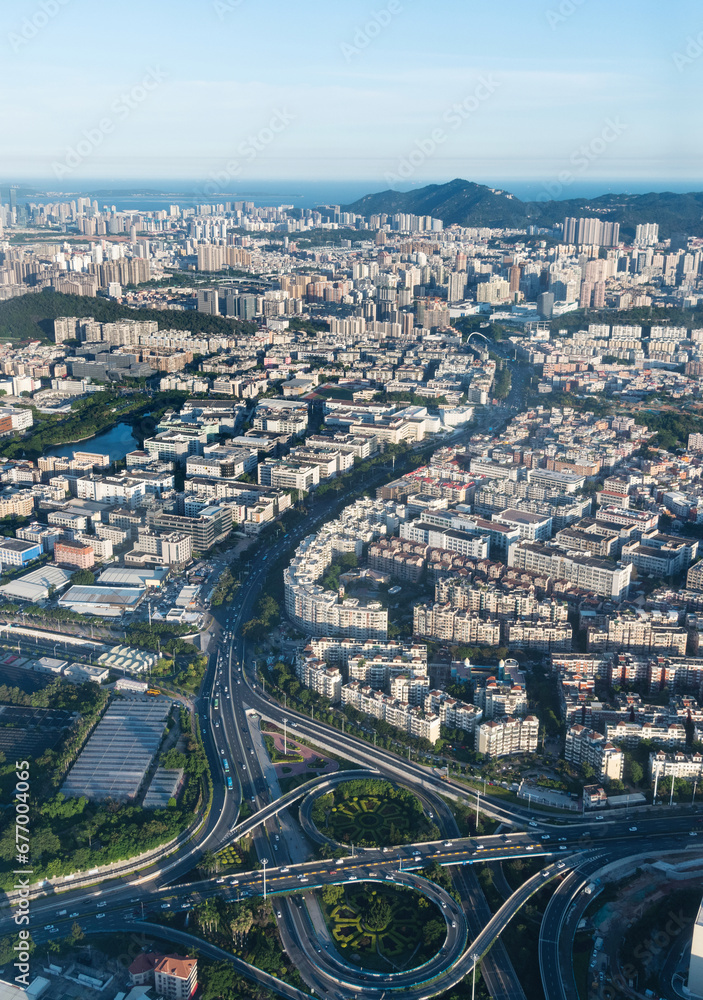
225	764
229	784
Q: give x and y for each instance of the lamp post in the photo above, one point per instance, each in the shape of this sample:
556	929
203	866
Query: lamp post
474	959
285	737
264	862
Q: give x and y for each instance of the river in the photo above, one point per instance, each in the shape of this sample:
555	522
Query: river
116	443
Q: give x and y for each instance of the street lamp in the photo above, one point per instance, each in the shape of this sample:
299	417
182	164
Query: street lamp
264	862
285	737
474	959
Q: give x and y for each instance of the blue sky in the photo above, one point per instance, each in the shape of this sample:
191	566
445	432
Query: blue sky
561	94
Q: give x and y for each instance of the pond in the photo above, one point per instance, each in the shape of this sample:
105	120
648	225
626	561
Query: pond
117	442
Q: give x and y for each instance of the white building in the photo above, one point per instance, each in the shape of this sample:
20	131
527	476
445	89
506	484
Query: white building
695	968
501	737
584	746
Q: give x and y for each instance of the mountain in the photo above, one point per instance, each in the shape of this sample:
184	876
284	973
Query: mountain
467	204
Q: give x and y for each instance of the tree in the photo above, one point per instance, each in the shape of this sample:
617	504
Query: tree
332	895
636	772
208	914
378	914
209	863
83	577
434	931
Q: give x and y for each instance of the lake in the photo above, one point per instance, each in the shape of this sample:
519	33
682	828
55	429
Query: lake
116	443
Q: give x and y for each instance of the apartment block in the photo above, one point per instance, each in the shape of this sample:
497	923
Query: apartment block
504	737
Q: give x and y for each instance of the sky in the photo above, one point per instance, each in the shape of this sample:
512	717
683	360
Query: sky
554	97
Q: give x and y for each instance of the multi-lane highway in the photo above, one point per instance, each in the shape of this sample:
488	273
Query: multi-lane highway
232	695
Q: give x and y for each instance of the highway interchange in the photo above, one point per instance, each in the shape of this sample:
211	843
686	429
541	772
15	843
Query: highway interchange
574	849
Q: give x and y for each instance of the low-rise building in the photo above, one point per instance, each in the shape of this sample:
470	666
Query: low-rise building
69	552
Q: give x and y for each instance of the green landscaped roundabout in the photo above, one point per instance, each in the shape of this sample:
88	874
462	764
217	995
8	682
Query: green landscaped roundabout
370	812
387	928
390	932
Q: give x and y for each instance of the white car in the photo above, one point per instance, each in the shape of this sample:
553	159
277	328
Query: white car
102	904
100	916
633	829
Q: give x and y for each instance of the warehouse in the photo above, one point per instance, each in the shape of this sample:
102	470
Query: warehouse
117	576
36	585
116	758
103	601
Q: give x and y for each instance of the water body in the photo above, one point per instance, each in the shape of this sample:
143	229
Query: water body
116	443
154	196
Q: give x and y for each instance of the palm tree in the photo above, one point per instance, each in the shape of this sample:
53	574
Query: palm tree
209	914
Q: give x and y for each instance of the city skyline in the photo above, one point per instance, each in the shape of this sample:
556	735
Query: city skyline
369	93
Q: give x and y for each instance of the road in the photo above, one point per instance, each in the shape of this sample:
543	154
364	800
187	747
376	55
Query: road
231	695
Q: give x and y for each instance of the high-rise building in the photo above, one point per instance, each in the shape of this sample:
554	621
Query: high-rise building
647	234
695	968
592	232
545	304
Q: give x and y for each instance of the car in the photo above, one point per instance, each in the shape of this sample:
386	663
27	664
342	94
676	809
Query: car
102	904
278	914
563	848
692	833
275	847
219	880
448	843
389	878
100	916
373	874
561	838
221	750
276	837
532	823
561	865
284	870
165	906
74	914
530	847
546	837
185	906
599	819
300	878
48	927
633	829
453	923
352	878
444	905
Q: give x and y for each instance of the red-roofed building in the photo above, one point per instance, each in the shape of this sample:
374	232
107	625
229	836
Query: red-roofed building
173	976
176	978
